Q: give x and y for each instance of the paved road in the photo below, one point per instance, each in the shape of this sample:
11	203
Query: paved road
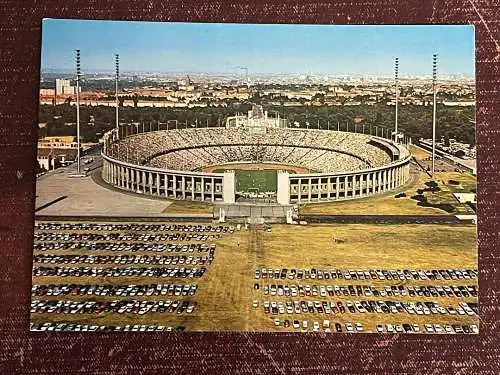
382	219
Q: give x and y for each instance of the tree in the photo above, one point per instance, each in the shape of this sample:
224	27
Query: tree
135	98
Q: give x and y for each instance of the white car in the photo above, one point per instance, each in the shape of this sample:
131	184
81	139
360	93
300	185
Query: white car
349	327
277	322
315	327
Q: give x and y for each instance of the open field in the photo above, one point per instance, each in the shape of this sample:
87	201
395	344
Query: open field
226	291
419	153
181	207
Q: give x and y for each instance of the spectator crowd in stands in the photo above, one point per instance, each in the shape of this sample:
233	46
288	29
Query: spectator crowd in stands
192	149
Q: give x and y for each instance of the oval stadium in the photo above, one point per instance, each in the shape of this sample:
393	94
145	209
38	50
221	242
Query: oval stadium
253	157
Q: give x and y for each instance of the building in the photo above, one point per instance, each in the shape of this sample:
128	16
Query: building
53	152
63	87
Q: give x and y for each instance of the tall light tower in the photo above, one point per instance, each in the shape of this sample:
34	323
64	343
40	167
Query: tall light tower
434	74
396	81
117	70
78	74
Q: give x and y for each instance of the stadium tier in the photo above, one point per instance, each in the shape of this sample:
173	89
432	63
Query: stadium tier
170	163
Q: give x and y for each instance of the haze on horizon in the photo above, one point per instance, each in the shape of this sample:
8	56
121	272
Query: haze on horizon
216	48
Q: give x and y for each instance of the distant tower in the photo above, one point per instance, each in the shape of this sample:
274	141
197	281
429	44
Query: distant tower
396	81
434	89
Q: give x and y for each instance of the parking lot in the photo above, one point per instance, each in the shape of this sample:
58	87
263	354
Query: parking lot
333	300
84	272
209	277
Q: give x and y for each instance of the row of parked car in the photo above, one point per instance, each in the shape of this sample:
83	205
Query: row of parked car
118	306
294	290
123	271
123	259
72	327
113	290
117	236
313	273
327	326
132	227
382	307
125	246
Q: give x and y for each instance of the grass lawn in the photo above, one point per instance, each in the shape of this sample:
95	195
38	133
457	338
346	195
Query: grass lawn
226	291
181	207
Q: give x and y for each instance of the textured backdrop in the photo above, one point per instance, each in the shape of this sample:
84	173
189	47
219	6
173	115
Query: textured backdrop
23	352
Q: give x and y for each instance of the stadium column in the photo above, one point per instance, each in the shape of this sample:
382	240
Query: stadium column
183	187
337	187
165	184
158	184
353	185
143	182
346	186
150	180
192	188
299	194
202	189
213	189
379	181
127	179
362	182
174	186
309	185
329	188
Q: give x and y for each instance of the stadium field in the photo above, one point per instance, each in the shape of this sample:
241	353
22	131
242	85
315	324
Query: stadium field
248	180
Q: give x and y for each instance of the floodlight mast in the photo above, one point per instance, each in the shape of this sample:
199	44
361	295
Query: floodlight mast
396	81
434	75
78	74
117	66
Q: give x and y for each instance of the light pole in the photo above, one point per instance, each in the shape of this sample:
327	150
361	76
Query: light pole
117	66
396	81
434	74
78	73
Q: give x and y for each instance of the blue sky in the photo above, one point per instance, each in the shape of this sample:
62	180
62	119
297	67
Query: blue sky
264	49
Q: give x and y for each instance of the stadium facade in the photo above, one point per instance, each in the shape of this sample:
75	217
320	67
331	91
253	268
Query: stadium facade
168	163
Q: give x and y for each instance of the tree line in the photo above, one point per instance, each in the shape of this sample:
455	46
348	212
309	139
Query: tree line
413	120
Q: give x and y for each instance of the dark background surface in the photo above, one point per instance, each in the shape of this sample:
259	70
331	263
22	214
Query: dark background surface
23	352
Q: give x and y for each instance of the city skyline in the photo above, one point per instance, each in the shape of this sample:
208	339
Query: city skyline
263	49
